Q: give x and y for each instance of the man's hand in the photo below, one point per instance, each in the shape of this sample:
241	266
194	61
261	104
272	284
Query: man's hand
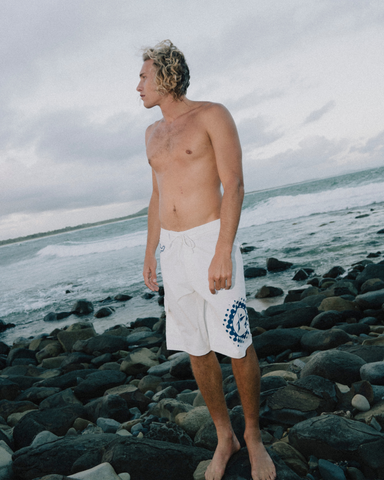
220	272
149	273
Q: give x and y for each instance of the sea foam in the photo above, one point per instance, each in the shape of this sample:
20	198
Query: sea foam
288	207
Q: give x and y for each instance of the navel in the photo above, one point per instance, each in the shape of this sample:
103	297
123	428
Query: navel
174	208
189	152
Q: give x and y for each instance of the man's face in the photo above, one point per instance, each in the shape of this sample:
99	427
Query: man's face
147	85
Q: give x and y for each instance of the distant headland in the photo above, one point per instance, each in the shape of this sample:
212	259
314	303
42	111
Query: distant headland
142	212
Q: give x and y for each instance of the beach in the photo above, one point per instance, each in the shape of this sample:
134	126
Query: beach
86	376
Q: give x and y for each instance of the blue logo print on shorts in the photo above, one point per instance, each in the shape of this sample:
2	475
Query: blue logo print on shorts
162	248
236	321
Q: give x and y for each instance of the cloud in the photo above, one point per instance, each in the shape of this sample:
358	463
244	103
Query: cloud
317	114
253	132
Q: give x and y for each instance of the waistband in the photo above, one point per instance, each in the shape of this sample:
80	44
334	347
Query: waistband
195	232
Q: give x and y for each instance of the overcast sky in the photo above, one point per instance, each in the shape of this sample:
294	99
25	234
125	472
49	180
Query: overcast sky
302	78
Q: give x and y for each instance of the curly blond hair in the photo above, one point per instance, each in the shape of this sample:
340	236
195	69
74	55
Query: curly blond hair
172	72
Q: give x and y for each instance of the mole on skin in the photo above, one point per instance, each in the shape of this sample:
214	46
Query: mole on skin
189	152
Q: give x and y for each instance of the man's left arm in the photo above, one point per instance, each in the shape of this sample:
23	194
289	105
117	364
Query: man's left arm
226	145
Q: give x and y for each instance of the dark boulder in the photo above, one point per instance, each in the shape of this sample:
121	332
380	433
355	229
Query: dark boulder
254	272
239	467
168	432
145	322
95	384
372	300
33	463
354	328
110	406
8	390
369	353
7	407
334	272
70	379
75	358
267	292
370	271
334	365
21	356
37	394
274	265
55	420
102	344
292	318
141	458
82	307
277	341
373	372
326	320
339	439
60	399
323	339
104	312
122	297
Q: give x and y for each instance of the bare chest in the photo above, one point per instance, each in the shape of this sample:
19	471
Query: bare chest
181	143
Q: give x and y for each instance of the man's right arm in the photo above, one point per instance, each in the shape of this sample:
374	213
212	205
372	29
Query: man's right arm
150	263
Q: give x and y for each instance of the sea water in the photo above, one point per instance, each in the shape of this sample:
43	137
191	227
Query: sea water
315	224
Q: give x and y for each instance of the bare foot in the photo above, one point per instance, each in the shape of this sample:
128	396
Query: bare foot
224	451
262	465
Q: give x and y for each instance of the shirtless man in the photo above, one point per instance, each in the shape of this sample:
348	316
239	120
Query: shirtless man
193	150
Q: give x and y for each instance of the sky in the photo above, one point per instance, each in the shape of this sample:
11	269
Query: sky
303	80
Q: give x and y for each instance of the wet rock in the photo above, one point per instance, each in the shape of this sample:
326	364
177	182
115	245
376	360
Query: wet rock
337	303
370	300
104	312
334	272
337	438
8	407
144	456
253	272
37	394
60	399
169	408
335	365
295	317
21	356
102	344
291	457
239	467
274	342
8	390
181	366
168	432
110	406
139	361
274	265
331	471
98	382
323	339
372	285
55	420
373	372
370	271
326	320
149	322
75	332
268	291
34	463
368	353
122	297
76	358
360	403
82	307
355	328
193	420
301	274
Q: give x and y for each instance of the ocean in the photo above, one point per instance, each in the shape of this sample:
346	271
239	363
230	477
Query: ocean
316	224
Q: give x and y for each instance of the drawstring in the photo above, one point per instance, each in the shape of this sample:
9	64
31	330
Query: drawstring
186	240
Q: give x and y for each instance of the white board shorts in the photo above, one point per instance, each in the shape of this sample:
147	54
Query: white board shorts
198	321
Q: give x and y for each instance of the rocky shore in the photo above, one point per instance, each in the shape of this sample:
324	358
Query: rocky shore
118	405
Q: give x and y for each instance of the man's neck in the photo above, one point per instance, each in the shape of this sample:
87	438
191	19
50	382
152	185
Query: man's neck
172	109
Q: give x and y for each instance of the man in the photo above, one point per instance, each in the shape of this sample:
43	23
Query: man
193	151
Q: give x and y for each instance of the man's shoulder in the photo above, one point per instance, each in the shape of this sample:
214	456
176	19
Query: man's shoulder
211	110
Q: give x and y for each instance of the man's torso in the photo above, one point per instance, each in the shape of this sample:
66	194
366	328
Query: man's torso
183	159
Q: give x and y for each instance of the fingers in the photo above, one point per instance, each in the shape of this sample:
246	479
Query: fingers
150	279
220	283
